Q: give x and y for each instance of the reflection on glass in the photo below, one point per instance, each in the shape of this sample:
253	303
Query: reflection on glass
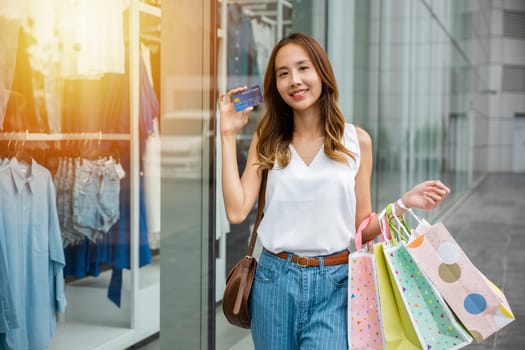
252	30
405	75
422	81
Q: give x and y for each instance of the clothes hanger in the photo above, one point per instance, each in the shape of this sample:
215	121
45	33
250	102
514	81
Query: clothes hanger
7	153
20	152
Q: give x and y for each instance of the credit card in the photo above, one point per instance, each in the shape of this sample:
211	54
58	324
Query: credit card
247	98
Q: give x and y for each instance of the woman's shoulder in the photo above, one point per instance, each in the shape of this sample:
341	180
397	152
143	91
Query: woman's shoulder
361	134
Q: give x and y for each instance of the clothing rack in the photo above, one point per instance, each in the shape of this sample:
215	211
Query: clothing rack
28	136
283	2
150	24
149	9
273	17
262	15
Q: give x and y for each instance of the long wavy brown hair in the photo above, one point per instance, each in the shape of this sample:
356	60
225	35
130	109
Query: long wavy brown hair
275	129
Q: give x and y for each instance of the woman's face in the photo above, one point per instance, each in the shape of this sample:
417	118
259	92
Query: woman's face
297	80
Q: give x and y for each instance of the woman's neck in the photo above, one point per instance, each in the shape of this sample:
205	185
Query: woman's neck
307	125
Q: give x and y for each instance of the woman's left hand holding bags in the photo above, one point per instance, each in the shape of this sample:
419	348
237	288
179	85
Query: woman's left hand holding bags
426	195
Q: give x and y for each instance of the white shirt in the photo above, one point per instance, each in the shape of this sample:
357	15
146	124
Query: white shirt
310	210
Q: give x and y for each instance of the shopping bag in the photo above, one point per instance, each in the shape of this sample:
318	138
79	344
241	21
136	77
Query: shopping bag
477	302
399	334
365	330
433	321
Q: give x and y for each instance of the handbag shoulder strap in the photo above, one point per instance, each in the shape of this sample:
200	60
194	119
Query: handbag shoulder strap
258	217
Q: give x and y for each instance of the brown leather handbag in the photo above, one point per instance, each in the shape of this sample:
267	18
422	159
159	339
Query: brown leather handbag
235	301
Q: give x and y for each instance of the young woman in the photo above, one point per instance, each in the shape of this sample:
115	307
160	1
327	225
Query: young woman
318	191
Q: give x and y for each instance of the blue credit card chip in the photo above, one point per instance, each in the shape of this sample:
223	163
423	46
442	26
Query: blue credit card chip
247	98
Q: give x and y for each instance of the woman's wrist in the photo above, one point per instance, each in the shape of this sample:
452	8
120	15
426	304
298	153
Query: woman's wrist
228	134
401	204
399	208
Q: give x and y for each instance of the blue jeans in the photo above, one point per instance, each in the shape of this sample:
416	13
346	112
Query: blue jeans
95	197
296	307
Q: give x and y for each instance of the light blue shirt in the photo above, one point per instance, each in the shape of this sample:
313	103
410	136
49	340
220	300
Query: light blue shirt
32	244
8	318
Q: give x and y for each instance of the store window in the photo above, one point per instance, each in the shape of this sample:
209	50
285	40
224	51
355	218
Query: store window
405	76
188	60
79	108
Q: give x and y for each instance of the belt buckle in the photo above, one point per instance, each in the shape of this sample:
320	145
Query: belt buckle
302	258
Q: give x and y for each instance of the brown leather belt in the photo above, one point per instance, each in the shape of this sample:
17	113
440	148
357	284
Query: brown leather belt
329	260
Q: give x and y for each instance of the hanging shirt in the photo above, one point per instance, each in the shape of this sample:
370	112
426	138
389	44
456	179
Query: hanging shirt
30	235
92	32
243	68
21	113
8	318
152	185
310	209
264	43
9	38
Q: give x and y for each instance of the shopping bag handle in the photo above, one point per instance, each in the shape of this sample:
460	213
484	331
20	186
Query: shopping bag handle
401	232
418	219
358	241
385	230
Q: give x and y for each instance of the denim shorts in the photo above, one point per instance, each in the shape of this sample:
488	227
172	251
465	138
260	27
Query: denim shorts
295	307
95	199
65	179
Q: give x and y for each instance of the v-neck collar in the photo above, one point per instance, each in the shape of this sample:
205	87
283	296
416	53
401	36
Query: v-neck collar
319	151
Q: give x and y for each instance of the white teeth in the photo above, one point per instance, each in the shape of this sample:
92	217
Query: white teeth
298	93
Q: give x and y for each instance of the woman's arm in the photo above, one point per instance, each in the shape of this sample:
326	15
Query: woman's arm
426	195
363	187
239	193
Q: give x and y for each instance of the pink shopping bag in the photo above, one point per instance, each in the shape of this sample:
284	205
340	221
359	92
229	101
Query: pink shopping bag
477	302
365	330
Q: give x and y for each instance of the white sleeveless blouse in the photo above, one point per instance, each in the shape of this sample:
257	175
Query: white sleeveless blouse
310	210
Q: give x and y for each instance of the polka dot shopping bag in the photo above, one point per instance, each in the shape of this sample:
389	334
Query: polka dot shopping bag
477	302
365	330
433	321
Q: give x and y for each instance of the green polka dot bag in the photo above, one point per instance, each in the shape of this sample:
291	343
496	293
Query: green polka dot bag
433	321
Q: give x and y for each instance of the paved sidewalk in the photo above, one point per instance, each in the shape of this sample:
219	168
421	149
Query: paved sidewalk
490	227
